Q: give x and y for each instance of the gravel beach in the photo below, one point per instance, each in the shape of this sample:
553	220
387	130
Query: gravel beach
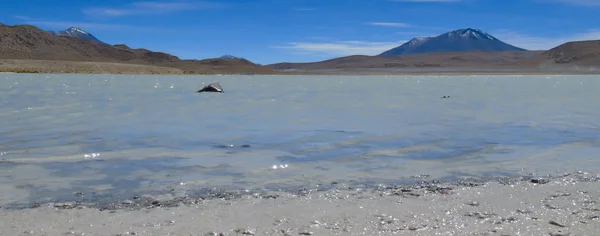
563	205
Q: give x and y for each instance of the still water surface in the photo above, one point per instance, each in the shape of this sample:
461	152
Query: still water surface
125	134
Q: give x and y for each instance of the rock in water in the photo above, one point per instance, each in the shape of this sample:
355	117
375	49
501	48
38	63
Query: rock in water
212	87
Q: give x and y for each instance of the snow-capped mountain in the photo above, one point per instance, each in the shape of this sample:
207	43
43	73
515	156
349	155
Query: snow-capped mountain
77	33
231	57
462	40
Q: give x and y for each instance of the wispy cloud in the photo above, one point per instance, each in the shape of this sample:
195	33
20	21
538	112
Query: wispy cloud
92	26
24	18
390	24
424	1
343	48
150	8
84	25
541	43
580	2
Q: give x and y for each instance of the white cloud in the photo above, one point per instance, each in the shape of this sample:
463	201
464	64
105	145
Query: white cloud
149	8
391	24
531	42
343	48
91	26
24	18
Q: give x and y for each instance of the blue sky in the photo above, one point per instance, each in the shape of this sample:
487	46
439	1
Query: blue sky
269	31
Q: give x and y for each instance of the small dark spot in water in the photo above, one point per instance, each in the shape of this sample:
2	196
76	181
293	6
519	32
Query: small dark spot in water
245	146
25	186
321	168
540	181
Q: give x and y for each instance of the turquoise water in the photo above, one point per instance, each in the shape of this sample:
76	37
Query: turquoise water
127	134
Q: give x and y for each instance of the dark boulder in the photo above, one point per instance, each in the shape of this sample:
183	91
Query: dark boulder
212	87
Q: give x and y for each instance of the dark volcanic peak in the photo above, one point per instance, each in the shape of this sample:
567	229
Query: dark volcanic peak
77	33
469	34
461	40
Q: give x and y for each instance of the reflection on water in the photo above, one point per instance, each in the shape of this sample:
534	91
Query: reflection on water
108	134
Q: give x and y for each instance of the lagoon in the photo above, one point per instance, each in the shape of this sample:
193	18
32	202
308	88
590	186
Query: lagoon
63	136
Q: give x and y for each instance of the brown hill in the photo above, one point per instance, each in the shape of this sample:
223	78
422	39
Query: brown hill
571	57
408	61
582	53
27	42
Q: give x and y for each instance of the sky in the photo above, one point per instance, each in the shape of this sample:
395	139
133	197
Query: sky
271	31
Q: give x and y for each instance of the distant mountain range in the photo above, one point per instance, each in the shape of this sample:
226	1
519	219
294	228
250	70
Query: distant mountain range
571	56
455	50
26	42
462	49
76	33
462	40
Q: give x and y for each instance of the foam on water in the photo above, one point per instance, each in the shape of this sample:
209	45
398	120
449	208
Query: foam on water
128	134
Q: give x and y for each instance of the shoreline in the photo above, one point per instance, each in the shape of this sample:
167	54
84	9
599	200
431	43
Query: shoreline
112	68
412	73
568	204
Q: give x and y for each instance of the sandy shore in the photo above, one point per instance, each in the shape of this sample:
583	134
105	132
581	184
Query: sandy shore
83	67
566	205
46	66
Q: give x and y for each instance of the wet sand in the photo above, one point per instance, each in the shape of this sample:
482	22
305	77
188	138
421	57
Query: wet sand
564	205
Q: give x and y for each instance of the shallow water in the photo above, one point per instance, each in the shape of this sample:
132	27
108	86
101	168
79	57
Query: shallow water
123	135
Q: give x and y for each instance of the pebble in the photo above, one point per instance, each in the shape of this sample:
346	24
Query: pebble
65	205
306	233
540	181
128	202
526	211
560	233
560	195
127	233
556	224
245	231
74	233
473	203
509	219
277	222
286	232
